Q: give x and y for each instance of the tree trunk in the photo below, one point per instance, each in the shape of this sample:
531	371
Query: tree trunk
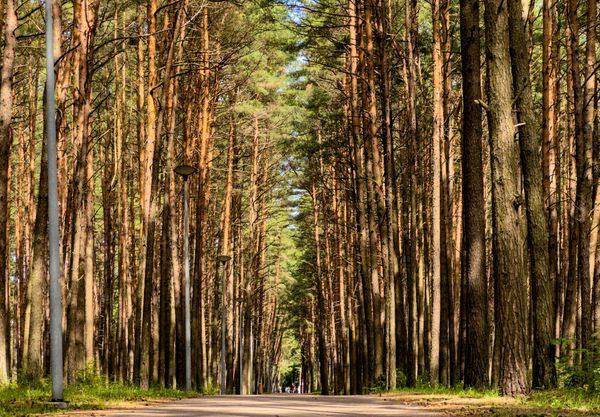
438	222
6	109
226	250
542	303
146	339
507	215
571	299
141	143
321	331
409	199
35	315
474	297
584	162
375	191
200	273
550	168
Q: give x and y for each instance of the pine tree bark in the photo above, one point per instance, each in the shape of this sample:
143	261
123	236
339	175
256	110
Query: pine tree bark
409	198
106	300
6	109
550	147
571	298
79	300
437	142
226	249
584	162
35	314
360	190
510	279
474	297
200	270
375	192
542	303
321	331
391	202
146	339
137	279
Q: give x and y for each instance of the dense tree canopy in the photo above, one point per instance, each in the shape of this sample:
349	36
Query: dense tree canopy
407	190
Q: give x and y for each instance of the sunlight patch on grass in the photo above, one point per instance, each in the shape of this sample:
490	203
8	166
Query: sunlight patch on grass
566	398
453	391
565	402
26	400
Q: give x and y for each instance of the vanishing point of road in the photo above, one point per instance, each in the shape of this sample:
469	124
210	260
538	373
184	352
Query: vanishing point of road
278	405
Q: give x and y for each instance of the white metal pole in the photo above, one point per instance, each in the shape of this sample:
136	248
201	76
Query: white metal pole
251	364
56	354
240	348
188	333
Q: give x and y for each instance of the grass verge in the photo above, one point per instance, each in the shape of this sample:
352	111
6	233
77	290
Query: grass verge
31	400
564	402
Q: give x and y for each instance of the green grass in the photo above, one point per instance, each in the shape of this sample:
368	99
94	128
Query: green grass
574	399
566	398
453	391
26	400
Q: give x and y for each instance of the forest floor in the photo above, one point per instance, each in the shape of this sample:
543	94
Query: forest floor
24	400
116	400
555	403
276	405
408	404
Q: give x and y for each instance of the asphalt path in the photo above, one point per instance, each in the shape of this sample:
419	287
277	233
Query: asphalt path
278	405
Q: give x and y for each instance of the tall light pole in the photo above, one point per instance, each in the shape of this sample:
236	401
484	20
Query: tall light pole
56	348
223	259
241	347
185	171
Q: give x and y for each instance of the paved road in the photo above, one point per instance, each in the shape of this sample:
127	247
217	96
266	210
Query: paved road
279	406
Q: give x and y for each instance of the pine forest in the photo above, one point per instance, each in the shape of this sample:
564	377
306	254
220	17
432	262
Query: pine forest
381	193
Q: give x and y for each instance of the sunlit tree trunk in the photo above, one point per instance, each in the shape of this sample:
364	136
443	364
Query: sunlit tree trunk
437	143
375	191
360	191
146	340
550	147
80	296
584	161
409	199
253	272
6	111
226	250
200	271
124	334
137	279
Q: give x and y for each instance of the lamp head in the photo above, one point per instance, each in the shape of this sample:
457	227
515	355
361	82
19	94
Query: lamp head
185	170
223	258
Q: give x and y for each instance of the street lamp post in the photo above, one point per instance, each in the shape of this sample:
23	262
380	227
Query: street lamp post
241	347
56	348
185	171
223	259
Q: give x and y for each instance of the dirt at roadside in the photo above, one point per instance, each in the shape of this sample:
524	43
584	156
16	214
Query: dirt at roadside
486	407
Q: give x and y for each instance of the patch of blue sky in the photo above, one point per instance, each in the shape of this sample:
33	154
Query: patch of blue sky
295	10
